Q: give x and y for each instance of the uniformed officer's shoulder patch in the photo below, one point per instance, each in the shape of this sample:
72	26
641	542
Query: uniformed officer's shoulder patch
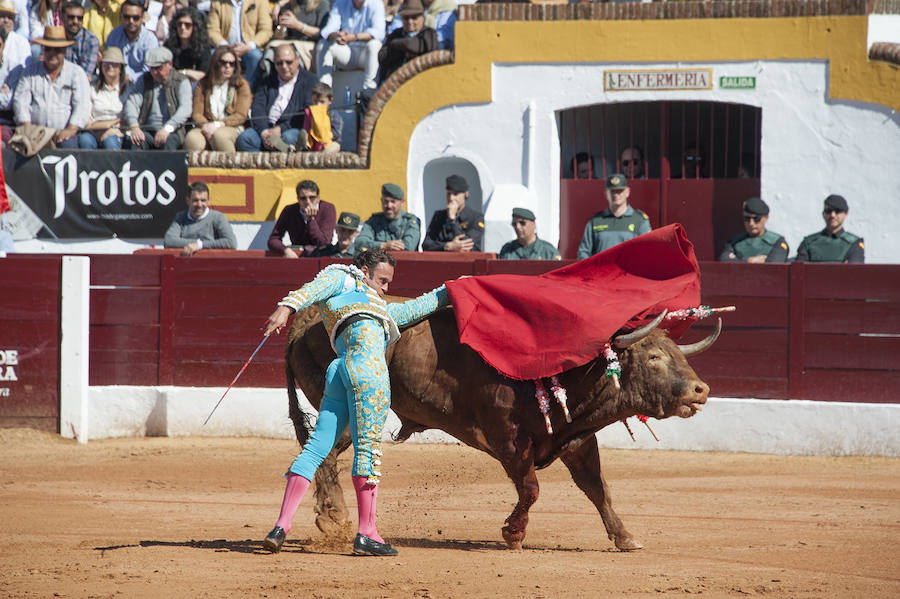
644	214
862	246
480	223
413	218
783	245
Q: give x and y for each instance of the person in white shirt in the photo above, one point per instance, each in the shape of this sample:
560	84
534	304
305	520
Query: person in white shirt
351	39
106	104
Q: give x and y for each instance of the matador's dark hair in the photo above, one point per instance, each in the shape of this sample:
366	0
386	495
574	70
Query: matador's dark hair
372	258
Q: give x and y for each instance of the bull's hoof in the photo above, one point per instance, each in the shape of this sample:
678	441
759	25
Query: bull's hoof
332	523
627	544
513	538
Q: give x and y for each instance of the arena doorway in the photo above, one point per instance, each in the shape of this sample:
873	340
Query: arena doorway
687	161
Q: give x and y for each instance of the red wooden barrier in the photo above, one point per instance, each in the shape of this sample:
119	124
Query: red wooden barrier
825	332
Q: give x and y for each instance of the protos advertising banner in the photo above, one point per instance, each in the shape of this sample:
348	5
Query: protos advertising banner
96	194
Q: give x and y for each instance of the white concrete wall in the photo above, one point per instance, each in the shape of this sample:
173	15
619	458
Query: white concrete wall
750	425
811	146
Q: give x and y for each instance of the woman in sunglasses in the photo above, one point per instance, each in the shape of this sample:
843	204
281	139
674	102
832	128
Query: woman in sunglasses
189	43
221	104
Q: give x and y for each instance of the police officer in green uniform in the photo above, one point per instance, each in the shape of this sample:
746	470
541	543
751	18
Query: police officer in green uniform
756	244
833	243
393	228
458	228
526	245
620	222
347	230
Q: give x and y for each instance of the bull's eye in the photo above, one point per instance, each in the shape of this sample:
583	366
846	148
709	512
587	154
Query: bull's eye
654	357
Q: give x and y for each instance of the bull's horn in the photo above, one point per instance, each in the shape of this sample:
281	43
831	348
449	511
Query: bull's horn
696	348
623	341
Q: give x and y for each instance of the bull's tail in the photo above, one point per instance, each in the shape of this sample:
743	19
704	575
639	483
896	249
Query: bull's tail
302	427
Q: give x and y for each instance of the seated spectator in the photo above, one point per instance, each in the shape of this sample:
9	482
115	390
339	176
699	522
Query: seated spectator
411	40
9	78
133	39
158	105
85	49
351	39
632	160
221	105
42	13
322	125
347	230
164	21
309	223
526	245
54	92
199	227
833	243
756	244
693	164
248	37
277	113
392	229
457	228
298	22
102	17
440	15
620	222
107	94
17	50
189	44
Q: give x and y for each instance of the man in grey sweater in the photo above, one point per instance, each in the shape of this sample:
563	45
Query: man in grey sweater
199	226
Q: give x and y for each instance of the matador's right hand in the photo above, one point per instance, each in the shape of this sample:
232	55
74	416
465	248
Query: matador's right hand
277	320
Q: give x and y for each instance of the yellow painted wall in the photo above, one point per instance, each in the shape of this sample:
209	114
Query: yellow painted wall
841	40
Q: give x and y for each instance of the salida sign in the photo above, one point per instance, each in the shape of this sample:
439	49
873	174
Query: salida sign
100	194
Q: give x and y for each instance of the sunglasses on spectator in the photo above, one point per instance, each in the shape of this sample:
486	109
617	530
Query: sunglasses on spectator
75	17
752	217
691	158
185	24
834	210
132	17
629	162
227	63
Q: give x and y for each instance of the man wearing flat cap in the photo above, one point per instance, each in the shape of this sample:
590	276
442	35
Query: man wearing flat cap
526	245
756	244
411	40
833	243
620	222
347	231
458	228
54	92
159	105
393	229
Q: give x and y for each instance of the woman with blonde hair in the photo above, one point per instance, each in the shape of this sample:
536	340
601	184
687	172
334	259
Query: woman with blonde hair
106	104
221	104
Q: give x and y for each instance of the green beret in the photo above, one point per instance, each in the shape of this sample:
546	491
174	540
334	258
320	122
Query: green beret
616	181
392	190
756	206
837	202
348	220
523	213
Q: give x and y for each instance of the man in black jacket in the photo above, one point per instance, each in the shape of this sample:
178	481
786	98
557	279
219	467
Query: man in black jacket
276	116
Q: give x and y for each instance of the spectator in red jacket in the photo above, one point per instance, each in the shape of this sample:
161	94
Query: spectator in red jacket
309	223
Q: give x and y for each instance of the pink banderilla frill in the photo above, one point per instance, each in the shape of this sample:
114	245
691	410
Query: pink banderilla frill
543	403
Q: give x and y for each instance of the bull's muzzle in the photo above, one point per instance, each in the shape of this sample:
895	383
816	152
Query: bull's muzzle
692	401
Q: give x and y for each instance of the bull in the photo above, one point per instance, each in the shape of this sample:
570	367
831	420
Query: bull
439	383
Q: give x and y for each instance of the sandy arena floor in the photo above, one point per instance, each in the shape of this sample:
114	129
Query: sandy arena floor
185	517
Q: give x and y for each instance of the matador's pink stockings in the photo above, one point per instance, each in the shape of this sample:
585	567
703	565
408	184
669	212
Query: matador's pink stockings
366	494
293	493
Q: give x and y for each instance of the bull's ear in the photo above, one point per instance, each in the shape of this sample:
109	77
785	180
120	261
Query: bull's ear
623	341
700	346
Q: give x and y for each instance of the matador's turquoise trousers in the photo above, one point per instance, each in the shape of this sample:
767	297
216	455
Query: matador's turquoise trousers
358	392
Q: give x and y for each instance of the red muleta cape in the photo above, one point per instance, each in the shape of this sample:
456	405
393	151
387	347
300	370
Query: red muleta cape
529	327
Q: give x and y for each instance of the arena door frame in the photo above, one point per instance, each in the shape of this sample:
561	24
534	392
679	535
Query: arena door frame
701	160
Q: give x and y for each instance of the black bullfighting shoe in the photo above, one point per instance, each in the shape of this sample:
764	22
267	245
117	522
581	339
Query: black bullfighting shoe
274	540
363	545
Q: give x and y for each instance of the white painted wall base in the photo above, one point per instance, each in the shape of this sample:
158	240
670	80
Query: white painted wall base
749	425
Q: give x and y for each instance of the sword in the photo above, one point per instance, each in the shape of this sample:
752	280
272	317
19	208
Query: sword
237	376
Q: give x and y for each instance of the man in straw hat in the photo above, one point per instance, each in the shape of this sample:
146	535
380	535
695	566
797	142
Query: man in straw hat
54	92
411	40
